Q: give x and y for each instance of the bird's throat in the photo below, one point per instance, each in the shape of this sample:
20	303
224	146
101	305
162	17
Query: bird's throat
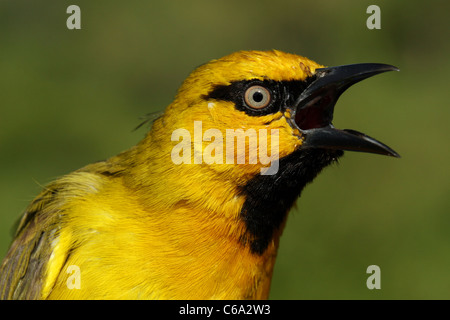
270	197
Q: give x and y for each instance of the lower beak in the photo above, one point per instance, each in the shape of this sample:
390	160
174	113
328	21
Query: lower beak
313	110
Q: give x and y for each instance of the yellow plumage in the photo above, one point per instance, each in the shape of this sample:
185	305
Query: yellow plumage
139	226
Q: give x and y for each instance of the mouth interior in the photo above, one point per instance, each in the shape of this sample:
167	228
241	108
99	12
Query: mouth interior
316	113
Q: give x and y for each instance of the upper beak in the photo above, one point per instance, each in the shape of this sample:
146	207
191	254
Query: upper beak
313	109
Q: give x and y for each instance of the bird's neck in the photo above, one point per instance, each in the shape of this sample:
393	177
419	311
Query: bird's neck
215	216
259	204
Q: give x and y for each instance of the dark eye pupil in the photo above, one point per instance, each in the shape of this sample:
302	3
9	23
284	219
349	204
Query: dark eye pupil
258	97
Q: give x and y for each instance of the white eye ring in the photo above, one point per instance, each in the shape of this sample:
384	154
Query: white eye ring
257	97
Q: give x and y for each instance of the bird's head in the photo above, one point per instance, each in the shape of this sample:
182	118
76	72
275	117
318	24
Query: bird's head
263	120
259	95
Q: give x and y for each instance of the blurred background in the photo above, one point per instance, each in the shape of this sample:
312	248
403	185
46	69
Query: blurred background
72	97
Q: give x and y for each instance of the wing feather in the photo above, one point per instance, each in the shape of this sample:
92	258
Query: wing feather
23	271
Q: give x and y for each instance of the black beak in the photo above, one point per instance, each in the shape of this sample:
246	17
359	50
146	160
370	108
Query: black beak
313	110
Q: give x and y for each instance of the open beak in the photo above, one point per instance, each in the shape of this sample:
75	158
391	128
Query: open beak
313	110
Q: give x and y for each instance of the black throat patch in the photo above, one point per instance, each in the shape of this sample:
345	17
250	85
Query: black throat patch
270	197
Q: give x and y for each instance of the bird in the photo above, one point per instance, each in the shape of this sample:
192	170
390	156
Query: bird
196	209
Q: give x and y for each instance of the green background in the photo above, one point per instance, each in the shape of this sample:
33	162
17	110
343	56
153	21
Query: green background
72	97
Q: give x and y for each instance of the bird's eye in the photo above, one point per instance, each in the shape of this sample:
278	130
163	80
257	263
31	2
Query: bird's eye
257	97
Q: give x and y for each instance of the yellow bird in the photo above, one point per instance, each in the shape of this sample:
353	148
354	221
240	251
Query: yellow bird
196	209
